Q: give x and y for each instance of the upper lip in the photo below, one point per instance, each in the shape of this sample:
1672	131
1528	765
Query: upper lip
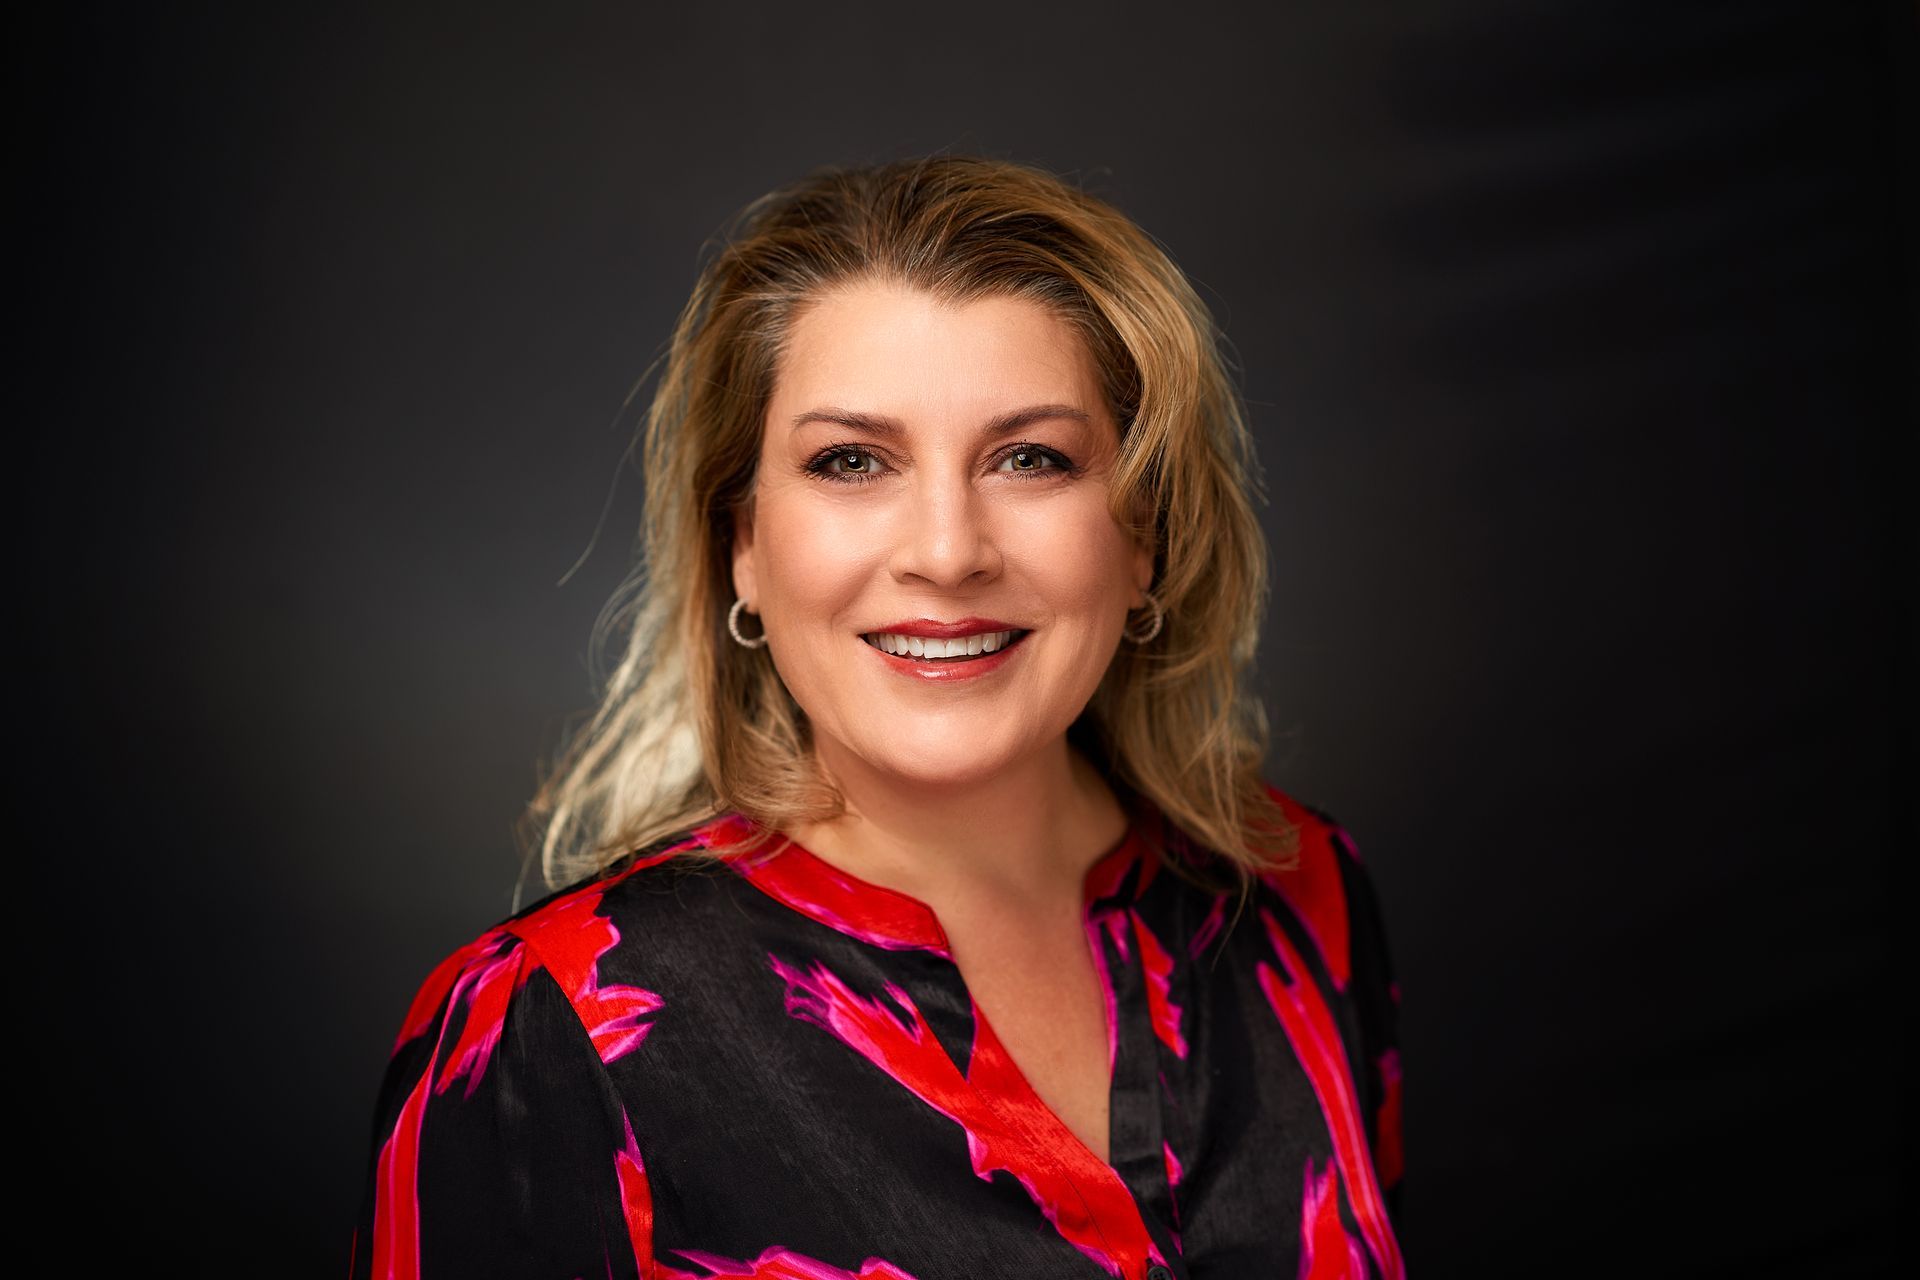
934	629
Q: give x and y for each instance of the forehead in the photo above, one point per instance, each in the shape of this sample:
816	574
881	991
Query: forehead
905	346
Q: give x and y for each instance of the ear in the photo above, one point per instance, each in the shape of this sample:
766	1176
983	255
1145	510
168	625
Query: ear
1142	570
743	581
1144	545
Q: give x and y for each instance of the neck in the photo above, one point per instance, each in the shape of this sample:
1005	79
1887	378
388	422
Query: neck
1027	835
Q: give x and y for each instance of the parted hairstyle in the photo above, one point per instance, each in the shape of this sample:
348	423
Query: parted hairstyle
691	724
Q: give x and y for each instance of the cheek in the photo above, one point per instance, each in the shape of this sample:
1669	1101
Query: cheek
804	554
780	544
1081	555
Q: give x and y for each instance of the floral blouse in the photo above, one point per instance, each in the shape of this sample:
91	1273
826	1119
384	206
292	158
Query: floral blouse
689	1067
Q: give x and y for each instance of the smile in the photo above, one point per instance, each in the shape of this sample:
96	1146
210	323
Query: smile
958	649
960	661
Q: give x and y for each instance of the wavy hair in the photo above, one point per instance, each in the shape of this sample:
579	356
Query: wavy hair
690	724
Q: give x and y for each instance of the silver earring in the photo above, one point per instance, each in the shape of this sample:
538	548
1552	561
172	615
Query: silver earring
1159	616
733	625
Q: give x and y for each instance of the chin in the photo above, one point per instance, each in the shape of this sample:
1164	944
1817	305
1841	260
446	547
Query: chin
935	756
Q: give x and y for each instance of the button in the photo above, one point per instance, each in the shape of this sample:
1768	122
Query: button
1159	1273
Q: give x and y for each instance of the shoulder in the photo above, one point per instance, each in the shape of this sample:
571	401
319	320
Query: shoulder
573	926
564	935
1326	889
1325	904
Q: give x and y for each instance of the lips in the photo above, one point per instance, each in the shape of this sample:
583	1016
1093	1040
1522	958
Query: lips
970	659
934	628
932	649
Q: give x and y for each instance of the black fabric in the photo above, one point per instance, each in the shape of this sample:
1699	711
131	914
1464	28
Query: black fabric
642	1076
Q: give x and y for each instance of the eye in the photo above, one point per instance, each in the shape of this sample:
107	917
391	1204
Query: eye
1033	457
855	464
845	464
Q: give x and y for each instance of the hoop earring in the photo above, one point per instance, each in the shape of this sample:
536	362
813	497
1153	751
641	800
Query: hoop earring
1159	616
733	625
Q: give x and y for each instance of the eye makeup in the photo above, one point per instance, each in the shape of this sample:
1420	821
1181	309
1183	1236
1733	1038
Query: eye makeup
821	465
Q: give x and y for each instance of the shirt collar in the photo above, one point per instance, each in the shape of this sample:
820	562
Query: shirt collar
794	875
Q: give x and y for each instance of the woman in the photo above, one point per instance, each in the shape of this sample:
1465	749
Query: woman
926	914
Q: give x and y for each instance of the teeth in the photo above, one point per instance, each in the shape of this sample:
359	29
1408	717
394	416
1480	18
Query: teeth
924	647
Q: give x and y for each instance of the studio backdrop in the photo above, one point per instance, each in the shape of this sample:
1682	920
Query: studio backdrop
1577	343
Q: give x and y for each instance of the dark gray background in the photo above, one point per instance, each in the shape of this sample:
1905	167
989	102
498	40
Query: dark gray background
1578	341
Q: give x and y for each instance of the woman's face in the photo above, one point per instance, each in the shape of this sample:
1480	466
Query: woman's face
932	471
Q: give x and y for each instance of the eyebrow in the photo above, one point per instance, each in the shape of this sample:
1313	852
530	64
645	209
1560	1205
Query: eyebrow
999	425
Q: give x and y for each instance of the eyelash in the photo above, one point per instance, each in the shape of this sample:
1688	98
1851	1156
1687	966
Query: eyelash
818	466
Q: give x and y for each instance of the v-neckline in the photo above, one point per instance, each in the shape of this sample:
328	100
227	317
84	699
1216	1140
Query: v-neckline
1102	1197
795	876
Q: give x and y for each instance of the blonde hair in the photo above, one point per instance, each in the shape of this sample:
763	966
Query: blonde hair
691	724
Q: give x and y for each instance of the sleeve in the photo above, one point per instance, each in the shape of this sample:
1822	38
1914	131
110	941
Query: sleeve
1376	1002
493	1149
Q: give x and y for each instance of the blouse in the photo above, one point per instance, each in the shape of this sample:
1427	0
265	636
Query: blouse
689	1067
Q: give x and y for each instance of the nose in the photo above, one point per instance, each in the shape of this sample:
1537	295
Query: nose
946	536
